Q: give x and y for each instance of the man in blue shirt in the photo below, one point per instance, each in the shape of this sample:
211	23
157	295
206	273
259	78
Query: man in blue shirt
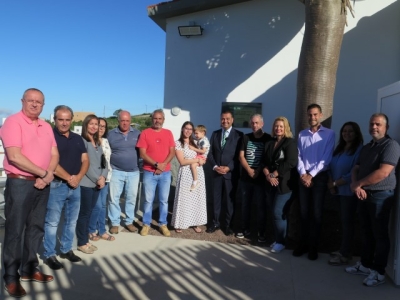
64	189
315	145
125	172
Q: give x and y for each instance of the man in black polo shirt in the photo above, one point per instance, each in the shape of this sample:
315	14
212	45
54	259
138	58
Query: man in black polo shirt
64	189
373	182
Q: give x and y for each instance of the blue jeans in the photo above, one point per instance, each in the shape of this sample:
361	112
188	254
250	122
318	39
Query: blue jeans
150	183
253	192
119	179
348	208
374	213
278	203
89	198
61	196
97	221
311	206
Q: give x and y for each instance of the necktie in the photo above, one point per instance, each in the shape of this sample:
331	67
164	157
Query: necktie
224	139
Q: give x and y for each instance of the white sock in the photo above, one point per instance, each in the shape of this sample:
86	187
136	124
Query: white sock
194	182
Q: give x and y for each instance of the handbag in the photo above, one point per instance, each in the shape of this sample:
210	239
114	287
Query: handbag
103	161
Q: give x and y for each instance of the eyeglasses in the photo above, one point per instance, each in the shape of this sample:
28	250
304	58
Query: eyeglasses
188	129
38	103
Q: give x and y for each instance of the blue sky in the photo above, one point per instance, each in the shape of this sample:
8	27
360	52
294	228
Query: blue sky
93	55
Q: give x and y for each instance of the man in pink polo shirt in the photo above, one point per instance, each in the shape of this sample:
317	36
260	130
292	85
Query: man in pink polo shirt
31	156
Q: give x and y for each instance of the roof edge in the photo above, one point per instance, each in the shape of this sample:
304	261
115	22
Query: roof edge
159	13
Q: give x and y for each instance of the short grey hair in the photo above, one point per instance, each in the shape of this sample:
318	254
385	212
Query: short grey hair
123	111
158	111
34	90
382	115
257	116
63	107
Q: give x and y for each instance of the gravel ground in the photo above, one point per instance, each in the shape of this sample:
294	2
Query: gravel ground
330	232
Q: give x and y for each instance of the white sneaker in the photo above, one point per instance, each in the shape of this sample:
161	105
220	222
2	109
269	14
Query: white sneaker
277	248
358	269
374	279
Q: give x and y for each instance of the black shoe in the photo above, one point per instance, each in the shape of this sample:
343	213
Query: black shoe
70	255
53	263
212	229
243	234
261	239
300	250
313	254
228	231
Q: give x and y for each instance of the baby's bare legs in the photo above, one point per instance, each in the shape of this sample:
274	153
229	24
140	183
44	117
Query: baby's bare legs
193	168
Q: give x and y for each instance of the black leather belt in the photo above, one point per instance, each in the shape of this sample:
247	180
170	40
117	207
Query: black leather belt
17	176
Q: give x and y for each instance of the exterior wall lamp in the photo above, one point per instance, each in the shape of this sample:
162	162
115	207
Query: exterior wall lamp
191	30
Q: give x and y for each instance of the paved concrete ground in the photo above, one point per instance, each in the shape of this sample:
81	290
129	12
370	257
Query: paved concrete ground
154	267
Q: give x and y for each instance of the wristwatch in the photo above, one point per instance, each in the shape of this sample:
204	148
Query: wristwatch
271	175
156	165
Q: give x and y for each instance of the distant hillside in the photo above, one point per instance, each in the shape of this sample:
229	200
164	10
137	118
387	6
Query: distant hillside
142	121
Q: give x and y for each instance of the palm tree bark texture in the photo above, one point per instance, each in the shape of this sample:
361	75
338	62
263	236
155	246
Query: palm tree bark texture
319	57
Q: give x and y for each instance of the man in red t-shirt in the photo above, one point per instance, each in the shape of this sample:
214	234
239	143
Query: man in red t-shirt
157	148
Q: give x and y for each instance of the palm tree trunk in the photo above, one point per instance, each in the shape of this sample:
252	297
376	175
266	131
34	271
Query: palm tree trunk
319	58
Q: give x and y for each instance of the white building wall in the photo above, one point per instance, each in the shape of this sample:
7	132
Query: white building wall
249	53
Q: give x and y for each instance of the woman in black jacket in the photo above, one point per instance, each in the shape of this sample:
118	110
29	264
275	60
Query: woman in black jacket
280	158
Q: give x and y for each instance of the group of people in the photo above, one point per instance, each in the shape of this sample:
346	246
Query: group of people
53	169
267	168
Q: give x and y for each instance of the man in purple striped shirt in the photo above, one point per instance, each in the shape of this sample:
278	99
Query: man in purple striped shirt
315	145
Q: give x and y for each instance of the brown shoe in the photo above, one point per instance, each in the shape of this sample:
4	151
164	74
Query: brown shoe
164	230
38	277
145	230
94	237
114	230
15	289
86	249
93	247
131	228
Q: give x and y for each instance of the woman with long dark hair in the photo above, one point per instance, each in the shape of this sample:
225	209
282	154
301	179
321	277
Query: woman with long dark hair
343	160
91	184
190	207
97	224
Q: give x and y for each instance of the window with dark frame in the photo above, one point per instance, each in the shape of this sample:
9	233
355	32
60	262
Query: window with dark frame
242	112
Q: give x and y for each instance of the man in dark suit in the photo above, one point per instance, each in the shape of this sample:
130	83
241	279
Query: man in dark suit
224	159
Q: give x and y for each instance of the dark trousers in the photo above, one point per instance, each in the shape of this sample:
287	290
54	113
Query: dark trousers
25	208
348	208
250	192
374	215
89	198
223	187
311	206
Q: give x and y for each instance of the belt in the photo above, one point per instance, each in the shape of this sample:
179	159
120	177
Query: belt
376	191
32	178
56	179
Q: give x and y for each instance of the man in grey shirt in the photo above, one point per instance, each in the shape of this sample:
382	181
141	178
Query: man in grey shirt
125	172
373	182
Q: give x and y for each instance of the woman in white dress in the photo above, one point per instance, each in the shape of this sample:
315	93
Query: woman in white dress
190	207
